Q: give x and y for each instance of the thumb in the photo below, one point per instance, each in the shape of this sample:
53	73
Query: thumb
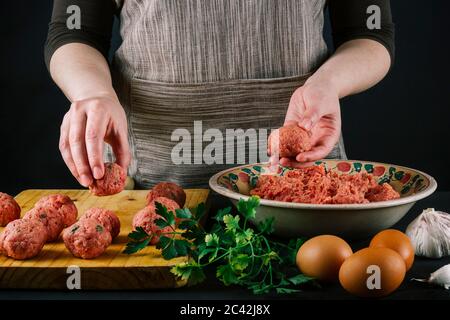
309	119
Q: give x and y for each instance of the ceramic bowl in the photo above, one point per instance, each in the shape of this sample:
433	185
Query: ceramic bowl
352	221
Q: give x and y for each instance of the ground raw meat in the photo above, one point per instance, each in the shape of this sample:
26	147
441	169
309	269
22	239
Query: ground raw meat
105	217
87	238
315	185
113	181
170	204
146	218
168	190
381	193
63	204
289	141
23	239
50	217
9	209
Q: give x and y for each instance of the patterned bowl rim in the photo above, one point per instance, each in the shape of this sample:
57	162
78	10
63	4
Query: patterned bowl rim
432	185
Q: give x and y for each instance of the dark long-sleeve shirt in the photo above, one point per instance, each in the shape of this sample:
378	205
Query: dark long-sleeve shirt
348	21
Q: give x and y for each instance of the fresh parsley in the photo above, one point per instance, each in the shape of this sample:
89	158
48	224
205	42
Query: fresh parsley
242	255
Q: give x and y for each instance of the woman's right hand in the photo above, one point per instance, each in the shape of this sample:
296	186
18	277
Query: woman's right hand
85	127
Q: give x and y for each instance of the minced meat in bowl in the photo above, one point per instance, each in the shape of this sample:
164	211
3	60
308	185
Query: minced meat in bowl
344	197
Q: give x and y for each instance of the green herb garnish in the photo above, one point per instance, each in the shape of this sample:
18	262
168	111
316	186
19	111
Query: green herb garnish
139	239
242	255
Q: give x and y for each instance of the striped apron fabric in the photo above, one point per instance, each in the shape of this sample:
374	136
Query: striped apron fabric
189	72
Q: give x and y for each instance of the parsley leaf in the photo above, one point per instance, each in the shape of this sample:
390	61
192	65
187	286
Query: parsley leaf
162	223
299	279
267	226
165	214
286	290
184	213
199	211
139	240
133	247
167	245
226	274
240	262
191	272
212	240
221	213
138	234
248	208
231	223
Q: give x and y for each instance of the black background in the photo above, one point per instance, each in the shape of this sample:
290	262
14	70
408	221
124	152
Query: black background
403	120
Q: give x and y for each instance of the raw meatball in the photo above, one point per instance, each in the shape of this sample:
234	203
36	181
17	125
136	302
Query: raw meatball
112	182
63	204
145	219
9	209
168	190
50	218
382	193
170	204
105	217
23	239
87	238
292	140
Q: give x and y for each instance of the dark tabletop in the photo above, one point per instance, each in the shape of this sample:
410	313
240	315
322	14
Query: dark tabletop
212	289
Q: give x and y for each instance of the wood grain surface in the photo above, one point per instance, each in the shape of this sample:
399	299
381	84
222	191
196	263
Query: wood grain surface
113	270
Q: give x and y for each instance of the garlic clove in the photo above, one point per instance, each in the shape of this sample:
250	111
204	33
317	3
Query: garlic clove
440	277
430	234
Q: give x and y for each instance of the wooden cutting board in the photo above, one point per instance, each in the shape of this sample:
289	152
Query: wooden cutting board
113	270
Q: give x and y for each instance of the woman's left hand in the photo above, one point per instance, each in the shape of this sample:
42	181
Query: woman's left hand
315	108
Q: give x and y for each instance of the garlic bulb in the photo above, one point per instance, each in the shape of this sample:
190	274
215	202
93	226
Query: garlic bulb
440	277
430	234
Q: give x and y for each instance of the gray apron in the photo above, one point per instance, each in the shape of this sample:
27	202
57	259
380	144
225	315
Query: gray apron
188	70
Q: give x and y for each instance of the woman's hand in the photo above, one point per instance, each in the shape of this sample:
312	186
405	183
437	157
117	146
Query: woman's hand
85	127
314	107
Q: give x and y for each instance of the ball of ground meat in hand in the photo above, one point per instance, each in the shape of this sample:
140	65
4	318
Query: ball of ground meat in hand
289	141
50	217
9	209
113	181
168	190
23	239
105	217
87	239
65	206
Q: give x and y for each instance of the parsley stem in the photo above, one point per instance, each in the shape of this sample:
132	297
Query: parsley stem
212	261
253	257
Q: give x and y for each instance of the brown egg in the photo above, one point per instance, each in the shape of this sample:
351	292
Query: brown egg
322	256
397	241
372	272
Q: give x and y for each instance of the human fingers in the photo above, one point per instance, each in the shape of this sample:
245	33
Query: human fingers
96	125
64	145
78	145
